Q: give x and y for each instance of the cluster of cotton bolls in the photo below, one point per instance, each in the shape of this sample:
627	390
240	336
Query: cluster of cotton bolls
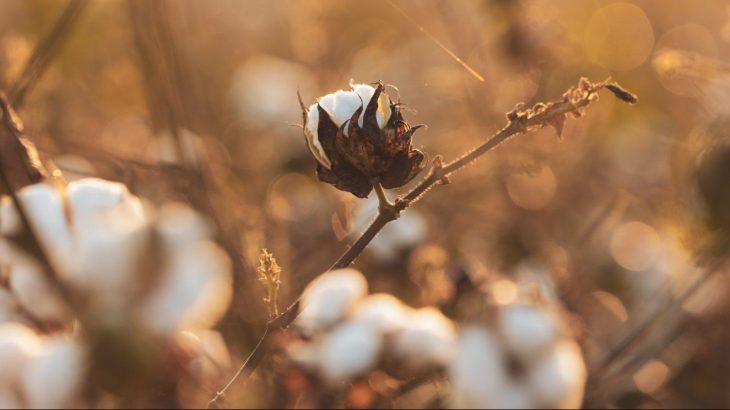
123	263
520	358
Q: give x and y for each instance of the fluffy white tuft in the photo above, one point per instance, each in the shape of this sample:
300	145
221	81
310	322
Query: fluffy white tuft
427	340
329	298
350	350
477	372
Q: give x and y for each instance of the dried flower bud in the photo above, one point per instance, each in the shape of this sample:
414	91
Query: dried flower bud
359	138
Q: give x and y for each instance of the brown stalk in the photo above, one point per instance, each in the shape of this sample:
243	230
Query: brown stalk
520	120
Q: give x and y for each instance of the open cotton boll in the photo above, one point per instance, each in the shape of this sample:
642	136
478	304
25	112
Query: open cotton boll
180	225
527	330
350	350
382	312
109	246
29	287
427	340
365	92
340	106
54	378
346	103
329	298
9	218
477	371
44	208
194	292
558	379
91	195
18	345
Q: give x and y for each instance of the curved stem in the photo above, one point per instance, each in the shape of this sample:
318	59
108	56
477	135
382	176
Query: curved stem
521	120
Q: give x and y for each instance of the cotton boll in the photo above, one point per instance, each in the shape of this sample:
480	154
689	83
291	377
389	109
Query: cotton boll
350	350
89	196
180	225
194	292
527	330
366	91
262	87
312	136
329	298
54	378
9	218
327	103
44	208
558	379
109	246
35	295
426	341
477	371
346	103
18	345
383	312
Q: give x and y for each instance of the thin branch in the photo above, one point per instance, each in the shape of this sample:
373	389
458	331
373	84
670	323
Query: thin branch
520	121
45	51
20	167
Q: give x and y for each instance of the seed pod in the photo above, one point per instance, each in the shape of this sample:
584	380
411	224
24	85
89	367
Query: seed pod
359	138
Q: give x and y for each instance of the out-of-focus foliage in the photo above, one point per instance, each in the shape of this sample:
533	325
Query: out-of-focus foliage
196	102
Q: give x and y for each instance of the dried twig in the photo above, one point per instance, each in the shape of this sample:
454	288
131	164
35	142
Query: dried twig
520	121
20	167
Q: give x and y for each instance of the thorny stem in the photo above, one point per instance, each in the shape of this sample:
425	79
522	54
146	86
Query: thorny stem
520	120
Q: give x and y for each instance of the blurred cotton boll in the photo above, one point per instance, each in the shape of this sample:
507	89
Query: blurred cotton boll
517	321
406	232
426	341
36	295
194	292
558	379
330	298
54	378
179	225
477	372
18	345
263	89
383	312
350	350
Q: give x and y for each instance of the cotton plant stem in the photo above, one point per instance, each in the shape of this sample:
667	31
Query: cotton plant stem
520	120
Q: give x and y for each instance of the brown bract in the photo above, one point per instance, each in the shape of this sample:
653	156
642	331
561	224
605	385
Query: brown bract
363	156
